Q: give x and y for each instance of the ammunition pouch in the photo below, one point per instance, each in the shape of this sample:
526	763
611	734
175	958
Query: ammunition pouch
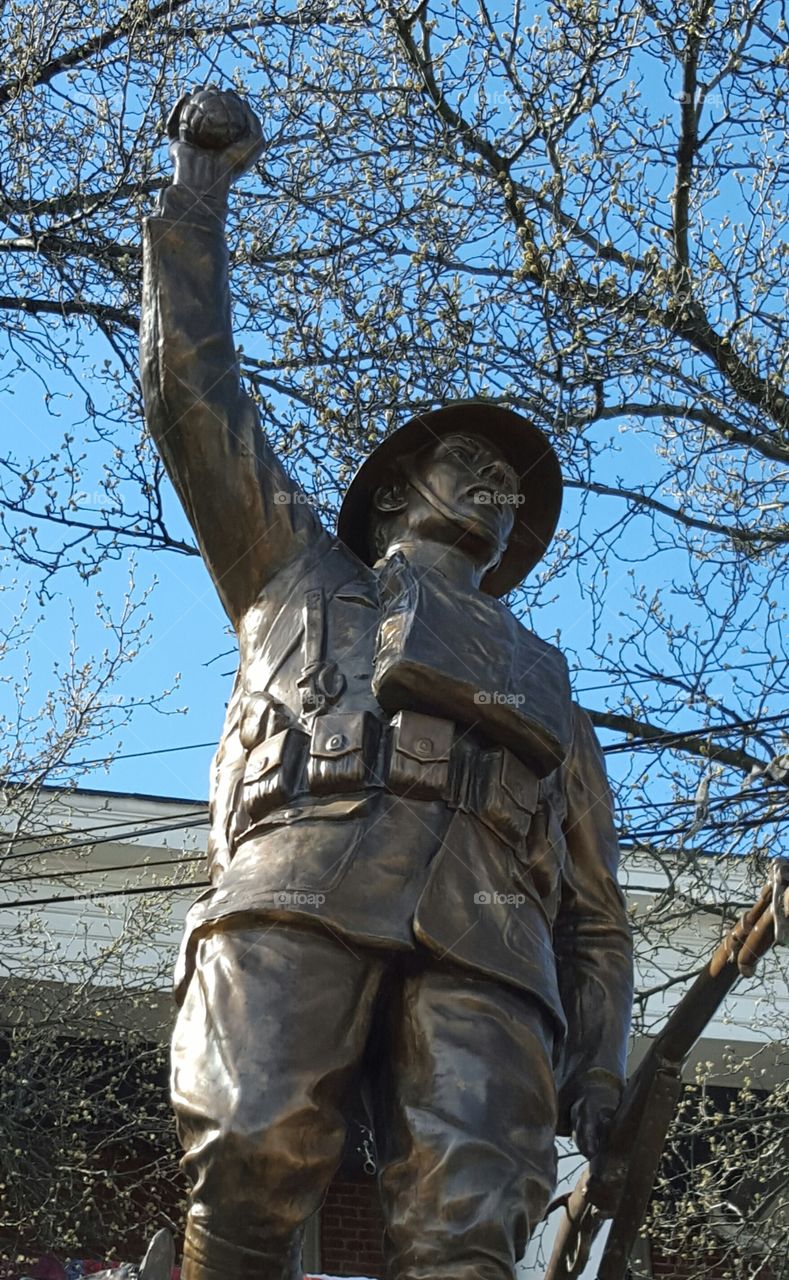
416	756
419	755
272	773
507	793
342	753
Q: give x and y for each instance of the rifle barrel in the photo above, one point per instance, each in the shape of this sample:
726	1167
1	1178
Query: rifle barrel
648	1104
749	939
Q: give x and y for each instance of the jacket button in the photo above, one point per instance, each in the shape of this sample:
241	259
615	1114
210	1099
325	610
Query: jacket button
424	746
336	741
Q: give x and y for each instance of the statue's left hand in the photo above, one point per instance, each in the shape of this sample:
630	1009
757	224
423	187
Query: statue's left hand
591	1115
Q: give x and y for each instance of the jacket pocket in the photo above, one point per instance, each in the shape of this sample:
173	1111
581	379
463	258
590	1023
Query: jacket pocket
419	756
271	776
507	795
262	717
342	752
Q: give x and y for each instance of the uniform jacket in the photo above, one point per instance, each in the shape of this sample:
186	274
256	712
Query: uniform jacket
540	907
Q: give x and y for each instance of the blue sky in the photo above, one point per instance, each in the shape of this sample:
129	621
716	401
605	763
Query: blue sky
188	633
188	638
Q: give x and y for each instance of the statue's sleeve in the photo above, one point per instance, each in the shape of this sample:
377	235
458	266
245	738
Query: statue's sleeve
248	515
592	938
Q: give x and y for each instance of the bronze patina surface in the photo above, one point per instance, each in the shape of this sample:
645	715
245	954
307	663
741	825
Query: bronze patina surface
412	852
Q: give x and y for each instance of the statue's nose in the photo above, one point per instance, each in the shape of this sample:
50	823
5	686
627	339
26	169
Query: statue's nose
496	474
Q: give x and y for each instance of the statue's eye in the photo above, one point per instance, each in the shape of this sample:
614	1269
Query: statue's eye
461	452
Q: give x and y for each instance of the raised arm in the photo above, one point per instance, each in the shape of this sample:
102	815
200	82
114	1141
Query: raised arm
593	947
247	514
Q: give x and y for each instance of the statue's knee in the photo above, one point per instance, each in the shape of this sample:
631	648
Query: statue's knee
266	1182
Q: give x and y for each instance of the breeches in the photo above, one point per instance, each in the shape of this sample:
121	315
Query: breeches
277	1029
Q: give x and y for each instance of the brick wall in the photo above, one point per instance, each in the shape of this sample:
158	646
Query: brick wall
352	1229
669	1267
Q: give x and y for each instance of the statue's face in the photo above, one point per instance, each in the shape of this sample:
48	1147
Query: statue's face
460	492
472	479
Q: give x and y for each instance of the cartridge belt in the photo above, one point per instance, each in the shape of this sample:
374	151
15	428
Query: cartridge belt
416	756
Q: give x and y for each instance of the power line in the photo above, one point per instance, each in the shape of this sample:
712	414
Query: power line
206	884
195	806
744	726
666	737
174	824
103	871
137	755
105	893
152	827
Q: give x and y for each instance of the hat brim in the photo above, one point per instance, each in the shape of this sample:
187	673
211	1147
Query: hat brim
522	444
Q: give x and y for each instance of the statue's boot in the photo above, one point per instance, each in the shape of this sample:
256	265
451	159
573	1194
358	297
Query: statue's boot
207	1257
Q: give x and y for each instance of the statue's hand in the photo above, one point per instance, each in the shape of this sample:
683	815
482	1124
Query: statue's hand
591	1116
214	138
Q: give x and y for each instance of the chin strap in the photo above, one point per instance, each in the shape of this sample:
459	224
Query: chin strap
433	500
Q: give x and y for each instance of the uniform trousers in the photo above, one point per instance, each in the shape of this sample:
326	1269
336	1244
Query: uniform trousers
280	1025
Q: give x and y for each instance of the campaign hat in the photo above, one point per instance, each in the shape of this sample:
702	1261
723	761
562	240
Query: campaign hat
521	443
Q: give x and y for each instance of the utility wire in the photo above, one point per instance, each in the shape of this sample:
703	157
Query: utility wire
196	884
114	838
154	826
103	871
137	755
737	726
668	737
196	807
105	893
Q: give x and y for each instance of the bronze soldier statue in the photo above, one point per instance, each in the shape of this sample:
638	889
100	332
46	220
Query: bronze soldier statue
412	851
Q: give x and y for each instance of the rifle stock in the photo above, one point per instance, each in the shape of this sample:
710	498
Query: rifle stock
638	1131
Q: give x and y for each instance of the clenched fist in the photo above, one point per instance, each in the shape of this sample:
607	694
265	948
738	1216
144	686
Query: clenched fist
214	138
